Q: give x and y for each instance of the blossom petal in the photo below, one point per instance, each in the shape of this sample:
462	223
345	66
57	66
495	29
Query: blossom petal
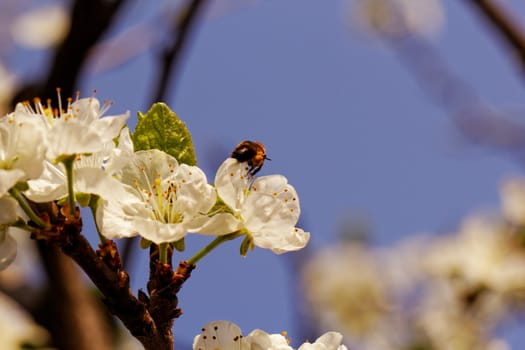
97	181
146	166
22	144
8	213
282	241
231	182
217	225
122	154
9	178
259	339
159	232
117	218
277	186
194	190
50	186
220	335
328	341
8	248
80	129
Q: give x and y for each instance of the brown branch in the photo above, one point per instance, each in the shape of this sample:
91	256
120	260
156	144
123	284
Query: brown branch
502	22
149	319
89	21
171	56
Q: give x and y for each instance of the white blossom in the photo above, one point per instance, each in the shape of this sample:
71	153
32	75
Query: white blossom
224	335
94	173
163	200
267	207
80	128
218	335
328	341
259	339
22	150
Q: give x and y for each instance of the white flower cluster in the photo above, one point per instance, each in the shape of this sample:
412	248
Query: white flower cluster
224	335
145	193
163	200
443	292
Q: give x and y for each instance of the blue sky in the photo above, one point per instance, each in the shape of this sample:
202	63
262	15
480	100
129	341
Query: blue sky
341	117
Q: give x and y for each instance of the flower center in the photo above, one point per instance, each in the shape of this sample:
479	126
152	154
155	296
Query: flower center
161	196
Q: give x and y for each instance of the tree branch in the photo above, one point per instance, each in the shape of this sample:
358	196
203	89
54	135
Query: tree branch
172	54
89	21
477	121
149	319
504	25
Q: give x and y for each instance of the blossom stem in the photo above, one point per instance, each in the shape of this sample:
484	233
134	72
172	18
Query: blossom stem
68	162
163	253
15	193
93	204
212	245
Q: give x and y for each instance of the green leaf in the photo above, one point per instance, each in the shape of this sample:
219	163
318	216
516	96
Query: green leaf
161	129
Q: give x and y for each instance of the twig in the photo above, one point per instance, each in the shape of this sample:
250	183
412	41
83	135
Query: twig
477	121
502	22
172	53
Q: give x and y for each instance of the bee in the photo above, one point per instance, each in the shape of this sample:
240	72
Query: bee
254	153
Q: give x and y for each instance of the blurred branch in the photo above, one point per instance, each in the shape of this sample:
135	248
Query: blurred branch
477	121
89	20
171	56
502	22
67	288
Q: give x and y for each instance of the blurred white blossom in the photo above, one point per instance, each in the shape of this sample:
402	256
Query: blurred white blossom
449	322
439	293
484	254
393	18
512	193
17	327
8	85
41	27
347	288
